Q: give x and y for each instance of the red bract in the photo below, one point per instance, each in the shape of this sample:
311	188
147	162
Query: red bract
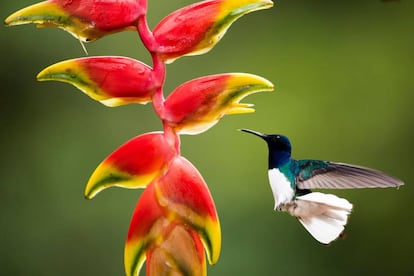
87	20
111	80
184	195
134	164
195	29
197	105
180	198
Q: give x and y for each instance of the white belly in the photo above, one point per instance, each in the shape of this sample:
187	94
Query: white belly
282	191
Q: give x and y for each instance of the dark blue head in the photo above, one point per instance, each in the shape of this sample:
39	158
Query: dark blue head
279	148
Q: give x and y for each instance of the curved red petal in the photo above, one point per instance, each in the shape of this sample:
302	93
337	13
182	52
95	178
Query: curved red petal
134	164
195	29
112	80
198	104
184	195
86	20
147	223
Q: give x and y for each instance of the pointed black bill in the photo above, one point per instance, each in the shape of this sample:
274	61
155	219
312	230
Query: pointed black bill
261	135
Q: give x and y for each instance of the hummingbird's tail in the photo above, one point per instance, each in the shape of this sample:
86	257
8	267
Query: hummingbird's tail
323	215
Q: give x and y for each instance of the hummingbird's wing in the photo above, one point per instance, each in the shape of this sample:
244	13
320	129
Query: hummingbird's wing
315	174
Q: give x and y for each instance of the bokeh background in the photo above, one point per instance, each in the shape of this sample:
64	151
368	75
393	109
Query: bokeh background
344	77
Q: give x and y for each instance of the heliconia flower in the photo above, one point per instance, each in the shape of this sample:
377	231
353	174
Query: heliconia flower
195	29
134	164
86	20
198	104
111	80
179	198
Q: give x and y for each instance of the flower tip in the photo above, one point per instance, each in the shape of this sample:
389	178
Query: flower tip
45	75
43	13
247	84
15	18
104	176
263	4
89	193
241	108
8	21
242	7
91	190
57	72
212	246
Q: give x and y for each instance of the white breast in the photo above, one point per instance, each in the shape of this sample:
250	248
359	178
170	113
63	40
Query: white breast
282	191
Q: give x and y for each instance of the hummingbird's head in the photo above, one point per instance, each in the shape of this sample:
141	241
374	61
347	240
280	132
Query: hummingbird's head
275	142
279	147
278	142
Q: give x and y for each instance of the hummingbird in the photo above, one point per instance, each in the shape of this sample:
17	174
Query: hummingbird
324	216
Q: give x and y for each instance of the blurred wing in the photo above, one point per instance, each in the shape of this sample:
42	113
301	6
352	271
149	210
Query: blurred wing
314	174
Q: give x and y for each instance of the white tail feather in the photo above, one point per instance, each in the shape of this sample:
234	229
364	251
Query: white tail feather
323	215
323	229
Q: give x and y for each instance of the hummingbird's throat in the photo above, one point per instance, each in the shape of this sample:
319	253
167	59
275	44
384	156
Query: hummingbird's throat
281	187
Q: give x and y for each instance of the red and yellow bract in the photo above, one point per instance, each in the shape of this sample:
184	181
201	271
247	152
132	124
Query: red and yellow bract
134	164
195	29
111	80
86	20
198	104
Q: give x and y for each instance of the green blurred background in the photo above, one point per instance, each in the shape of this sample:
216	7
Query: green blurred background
343	72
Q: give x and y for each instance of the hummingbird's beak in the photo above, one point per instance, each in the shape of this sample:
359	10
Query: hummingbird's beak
261	135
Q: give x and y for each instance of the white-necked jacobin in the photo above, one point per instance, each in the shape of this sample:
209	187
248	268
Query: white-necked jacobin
323	215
